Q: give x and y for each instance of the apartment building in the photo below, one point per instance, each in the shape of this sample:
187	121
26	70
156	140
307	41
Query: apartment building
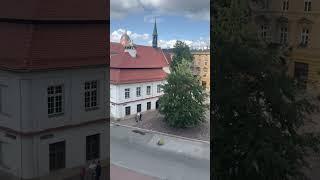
293	24
201	67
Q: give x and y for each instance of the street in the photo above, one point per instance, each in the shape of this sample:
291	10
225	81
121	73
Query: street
155	163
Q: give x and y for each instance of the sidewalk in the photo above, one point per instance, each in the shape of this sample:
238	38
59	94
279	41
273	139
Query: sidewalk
172	144
120	173
153	120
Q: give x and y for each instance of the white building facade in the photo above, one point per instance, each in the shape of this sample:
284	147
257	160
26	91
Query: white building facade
137	74
52	122
129	99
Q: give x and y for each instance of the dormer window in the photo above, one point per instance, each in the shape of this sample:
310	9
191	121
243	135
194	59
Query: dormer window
307	5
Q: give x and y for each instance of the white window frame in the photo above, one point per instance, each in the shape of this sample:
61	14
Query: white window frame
283	35
307	5
138	91
285	5
127	93
1	100
54	95
158	88
148	90
91	89
305	37
264	31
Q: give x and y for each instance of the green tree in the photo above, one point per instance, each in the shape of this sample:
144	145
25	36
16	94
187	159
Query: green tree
258	111
181	51
183	99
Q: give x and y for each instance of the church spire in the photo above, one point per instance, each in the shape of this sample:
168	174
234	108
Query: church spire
155	35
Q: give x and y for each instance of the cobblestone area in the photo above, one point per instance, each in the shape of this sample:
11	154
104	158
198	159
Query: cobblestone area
153	120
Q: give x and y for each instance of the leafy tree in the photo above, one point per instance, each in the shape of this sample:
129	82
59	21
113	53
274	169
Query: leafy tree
181	51
258	111
183	99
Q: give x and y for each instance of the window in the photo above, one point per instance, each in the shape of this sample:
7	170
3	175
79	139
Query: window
90	95
57	155
158	88
307	5
148	90
301	71
148	105
128	111
283	35
127	93
1	154
205	69
138	91
93	147
1	99
285	5
264	30
139	108
204	84
157	104
304	37
55	100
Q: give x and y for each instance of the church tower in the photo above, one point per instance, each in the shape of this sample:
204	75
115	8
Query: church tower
155	35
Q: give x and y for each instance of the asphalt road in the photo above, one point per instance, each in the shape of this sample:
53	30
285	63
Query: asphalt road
160	164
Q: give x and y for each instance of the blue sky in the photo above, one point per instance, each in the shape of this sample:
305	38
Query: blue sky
185	20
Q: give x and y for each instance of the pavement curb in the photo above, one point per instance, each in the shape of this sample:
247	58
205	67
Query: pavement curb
161	133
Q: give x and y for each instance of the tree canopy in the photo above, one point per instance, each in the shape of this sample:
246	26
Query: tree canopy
181	51
258	111
183	99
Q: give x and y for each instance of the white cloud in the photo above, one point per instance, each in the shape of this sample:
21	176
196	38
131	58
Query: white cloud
201	43
116	35
199	9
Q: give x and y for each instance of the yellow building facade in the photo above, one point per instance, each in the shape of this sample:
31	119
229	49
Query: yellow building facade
201	67
295	25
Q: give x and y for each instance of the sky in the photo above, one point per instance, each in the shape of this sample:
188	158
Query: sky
185	20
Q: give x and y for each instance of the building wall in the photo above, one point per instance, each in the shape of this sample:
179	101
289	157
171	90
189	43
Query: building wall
118	101
24	104
35	151
297	19
25	99
201	67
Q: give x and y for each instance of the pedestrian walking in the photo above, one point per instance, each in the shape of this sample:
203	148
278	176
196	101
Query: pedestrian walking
98	171
140	117
137	117
83	173
92	168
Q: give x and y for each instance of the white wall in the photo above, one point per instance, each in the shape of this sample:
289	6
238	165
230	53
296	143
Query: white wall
118	101
35	151
25	105
29	90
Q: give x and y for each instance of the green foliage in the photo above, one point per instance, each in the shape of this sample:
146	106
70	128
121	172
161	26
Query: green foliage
183	99
258	111
181	51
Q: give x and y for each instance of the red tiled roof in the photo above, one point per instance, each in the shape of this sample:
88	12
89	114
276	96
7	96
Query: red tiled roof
55	9
49	46
147	57
127	76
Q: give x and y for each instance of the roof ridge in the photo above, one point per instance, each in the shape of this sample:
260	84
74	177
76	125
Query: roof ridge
165	56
